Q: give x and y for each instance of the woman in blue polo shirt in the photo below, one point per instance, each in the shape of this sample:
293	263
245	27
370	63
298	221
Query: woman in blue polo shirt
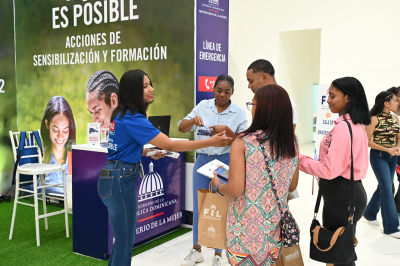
218	114
129	132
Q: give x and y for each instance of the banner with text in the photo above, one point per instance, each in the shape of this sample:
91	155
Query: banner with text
212	28
70	56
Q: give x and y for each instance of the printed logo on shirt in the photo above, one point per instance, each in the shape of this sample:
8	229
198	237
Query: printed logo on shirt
202	132
112	126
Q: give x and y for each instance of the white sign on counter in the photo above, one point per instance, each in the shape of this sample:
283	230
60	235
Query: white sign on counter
94	134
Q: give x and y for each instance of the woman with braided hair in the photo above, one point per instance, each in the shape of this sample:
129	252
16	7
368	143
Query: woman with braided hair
101	97
384	139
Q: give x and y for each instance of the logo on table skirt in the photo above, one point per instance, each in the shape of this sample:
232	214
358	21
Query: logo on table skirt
152	185
212	213
215	2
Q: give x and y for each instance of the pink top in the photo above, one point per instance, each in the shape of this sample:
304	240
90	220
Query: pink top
334	153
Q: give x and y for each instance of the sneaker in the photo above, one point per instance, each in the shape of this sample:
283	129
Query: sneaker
374	222
216	261
395	235
193	257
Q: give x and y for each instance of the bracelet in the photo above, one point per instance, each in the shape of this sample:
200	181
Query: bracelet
216	189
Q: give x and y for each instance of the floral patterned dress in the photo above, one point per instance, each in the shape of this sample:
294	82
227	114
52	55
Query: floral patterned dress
253	231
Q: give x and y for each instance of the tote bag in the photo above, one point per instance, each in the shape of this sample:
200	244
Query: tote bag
213	212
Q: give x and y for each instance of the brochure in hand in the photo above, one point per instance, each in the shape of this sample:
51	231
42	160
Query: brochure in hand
215	165
171	154
293	195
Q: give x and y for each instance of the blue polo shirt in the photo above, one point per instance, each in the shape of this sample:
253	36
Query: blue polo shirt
128	135
234	117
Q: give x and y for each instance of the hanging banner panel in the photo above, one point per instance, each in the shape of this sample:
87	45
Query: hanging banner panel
212	28
8	104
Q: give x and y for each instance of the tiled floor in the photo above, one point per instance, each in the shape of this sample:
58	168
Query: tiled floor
374	247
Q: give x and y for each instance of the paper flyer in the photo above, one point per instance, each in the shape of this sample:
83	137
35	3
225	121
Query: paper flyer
210	167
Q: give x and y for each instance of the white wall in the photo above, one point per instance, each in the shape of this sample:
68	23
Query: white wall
358	38
298	68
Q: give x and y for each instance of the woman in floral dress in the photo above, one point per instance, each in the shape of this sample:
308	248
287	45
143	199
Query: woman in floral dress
253	232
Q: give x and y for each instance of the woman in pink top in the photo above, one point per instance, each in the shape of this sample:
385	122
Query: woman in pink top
346	97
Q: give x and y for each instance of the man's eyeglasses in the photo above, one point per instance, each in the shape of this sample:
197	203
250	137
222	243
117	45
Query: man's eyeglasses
250	105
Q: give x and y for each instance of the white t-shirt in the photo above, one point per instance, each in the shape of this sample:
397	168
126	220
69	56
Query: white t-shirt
294	108
393	113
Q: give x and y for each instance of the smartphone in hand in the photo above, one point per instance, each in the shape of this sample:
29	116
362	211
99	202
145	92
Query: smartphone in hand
208	131
222	173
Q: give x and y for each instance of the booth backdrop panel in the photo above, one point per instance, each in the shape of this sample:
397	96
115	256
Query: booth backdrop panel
212	36
59	46
160	196
8	104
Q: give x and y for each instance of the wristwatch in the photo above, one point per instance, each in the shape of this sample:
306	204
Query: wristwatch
216	189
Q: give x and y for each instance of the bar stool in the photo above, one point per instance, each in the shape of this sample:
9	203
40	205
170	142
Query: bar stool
36	169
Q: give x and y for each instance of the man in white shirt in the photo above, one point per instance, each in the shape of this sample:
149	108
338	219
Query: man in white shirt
261	73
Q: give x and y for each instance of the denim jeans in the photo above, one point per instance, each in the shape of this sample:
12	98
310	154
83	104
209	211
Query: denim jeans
117	190
200	181
336	195
384	166
397	197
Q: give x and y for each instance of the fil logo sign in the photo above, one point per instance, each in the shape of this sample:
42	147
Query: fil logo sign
325	98
215	2
206	83
212	213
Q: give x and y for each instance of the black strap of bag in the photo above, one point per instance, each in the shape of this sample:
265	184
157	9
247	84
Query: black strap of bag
278	200
352	195
335	246
290	233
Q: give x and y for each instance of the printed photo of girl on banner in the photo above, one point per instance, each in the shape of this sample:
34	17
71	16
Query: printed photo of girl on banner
58	134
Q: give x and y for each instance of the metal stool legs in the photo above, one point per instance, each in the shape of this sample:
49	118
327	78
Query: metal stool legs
44	199
15	205
66	204
36	209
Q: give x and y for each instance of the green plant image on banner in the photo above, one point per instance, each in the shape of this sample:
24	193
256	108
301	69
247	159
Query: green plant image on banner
61	44
8	111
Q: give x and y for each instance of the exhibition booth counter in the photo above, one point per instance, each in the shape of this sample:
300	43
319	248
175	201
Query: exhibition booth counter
160	196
